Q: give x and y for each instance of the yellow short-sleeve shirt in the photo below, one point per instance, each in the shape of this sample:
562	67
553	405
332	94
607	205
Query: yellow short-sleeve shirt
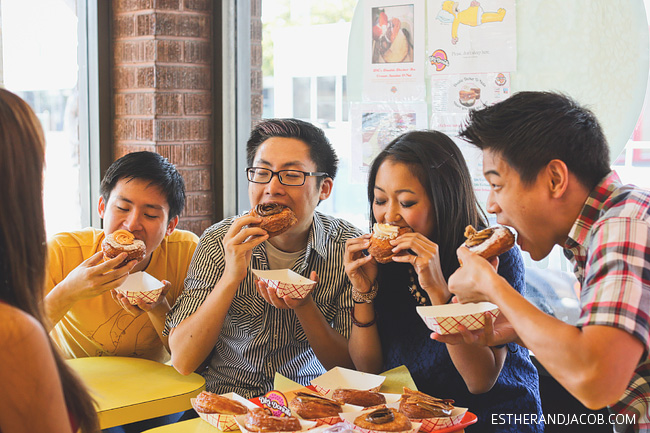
99	326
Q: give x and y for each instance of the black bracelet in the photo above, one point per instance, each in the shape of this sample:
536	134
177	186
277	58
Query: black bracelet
356	323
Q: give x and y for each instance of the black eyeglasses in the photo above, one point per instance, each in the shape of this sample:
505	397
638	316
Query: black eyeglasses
286	177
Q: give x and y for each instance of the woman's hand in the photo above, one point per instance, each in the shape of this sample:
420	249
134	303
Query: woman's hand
424	255
361	269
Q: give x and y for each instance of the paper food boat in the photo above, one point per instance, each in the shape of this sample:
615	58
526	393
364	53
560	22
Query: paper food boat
221	421
286	282
340	377
349	417
444	319
241	422
141	285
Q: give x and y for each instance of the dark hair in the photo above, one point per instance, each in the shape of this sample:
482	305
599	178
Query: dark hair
152	167
23	251
530	129
320	148
441	169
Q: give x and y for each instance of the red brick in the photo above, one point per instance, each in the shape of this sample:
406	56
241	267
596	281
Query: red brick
198	154
145	24
168	104
131	5
197	52
168	4
197	103
256	29
124	26
124	78
256	8
197	179
199	5
145	77
169	51
123	149
134	104
187	25
173	152
126	129
199	204
182	129
256	106
195	225
134	51
183	77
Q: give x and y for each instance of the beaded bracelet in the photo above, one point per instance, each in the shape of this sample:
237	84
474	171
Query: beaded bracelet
355	322
365	298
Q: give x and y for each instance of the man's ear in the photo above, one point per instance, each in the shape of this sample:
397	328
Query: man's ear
558	177
171	225
326	188
101	207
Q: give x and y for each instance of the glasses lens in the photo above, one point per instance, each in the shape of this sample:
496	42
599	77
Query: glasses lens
292	177
259	175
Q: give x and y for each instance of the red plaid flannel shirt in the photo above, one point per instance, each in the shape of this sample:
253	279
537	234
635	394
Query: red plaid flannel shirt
609	246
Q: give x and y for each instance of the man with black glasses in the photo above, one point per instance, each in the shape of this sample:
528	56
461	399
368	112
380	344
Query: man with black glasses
244	331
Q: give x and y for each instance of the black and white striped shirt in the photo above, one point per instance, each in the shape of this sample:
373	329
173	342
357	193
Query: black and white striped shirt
257	340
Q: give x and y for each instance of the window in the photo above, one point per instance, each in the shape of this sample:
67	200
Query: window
315	85
39	46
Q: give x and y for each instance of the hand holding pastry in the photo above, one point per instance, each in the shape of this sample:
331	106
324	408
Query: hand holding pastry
361	269
93	277
424	255
238	244
475	280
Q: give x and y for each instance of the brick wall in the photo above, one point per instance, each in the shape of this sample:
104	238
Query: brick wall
256	62
162	90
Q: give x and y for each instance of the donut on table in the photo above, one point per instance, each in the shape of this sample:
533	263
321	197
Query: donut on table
490	242
261	420
384	419
358	397
208	402
312	406
276	218
418	405
123	241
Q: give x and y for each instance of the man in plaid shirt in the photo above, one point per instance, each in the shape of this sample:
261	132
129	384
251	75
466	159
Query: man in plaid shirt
547	162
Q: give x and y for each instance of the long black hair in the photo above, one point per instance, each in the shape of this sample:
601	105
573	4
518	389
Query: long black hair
441	169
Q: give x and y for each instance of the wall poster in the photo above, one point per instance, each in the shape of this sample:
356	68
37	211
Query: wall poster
394	50
376	125
471	37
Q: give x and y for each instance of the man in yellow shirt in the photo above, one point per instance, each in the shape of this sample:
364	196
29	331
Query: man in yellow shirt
142	192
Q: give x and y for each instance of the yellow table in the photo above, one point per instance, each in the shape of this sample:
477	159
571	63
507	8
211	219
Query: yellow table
131	389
